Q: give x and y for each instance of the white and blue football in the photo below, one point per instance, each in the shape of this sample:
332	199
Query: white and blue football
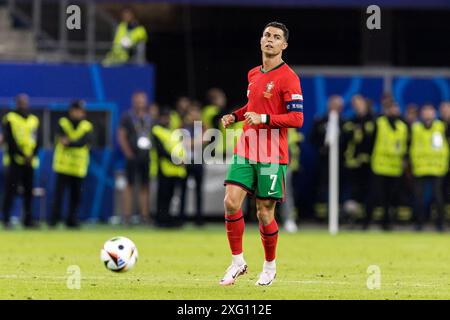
119	254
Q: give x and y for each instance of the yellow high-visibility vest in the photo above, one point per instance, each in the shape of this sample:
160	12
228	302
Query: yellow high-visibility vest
429	150
24	133
135	35
294	138
389	148
72	161
175	121
208	114
118	53
167	167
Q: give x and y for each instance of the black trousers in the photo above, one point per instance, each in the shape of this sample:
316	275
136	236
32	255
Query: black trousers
195	171
166	189
18	175
419	201
384	192
356	184
446	188
74	184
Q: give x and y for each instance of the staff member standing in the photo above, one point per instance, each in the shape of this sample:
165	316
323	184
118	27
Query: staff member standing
171	170
129	34
387	161
357	134
20	130
134	137
429	154
71	160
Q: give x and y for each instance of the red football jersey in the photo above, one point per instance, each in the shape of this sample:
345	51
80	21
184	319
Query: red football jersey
278	94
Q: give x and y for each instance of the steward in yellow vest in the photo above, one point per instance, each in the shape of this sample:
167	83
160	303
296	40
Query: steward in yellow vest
429	154
390	147
429	150
128	34
170	156
71	161
387	162
20	129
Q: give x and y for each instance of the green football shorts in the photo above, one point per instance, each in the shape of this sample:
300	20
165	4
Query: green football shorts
266	180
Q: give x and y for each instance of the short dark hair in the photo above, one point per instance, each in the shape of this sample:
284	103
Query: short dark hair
77	104
281	26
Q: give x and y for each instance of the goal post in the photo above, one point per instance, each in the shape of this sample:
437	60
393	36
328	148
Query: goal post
332	139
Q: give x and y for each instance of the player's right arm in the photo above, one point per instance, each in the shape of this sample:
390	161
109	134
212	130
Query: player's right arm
235	116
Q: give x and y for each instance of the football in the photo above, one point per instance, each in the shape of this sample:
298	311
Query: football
119	254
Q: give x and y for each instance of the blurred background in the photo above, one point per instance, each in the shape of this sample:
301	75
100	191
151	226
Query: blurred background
189	47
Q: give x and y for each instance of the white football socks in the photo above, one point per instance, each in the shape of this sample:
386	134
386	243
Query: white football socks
270	266
238	259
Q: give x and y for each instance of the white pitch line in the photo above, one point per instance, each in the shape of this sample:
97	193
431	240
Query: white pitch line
59	278
37	277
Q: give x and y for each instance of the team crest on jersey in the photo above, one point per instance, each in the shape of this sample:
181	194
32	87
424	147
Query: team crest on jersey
269	88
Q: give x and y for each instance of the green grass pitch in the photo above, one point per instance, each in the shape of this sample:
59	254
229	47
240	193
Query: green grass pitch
188	264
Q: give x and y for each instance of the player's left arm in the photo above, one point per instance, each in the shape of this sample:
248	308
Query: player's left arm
292	96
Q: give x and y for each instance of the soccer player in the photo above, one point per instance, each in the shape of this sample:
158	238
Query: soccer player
275	103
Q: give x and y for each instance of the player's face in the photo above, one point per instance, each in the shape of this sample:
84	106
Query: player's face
273	41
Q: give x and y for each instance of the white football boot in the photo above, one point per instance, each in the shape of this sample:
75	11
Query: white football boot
237	268
267	276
